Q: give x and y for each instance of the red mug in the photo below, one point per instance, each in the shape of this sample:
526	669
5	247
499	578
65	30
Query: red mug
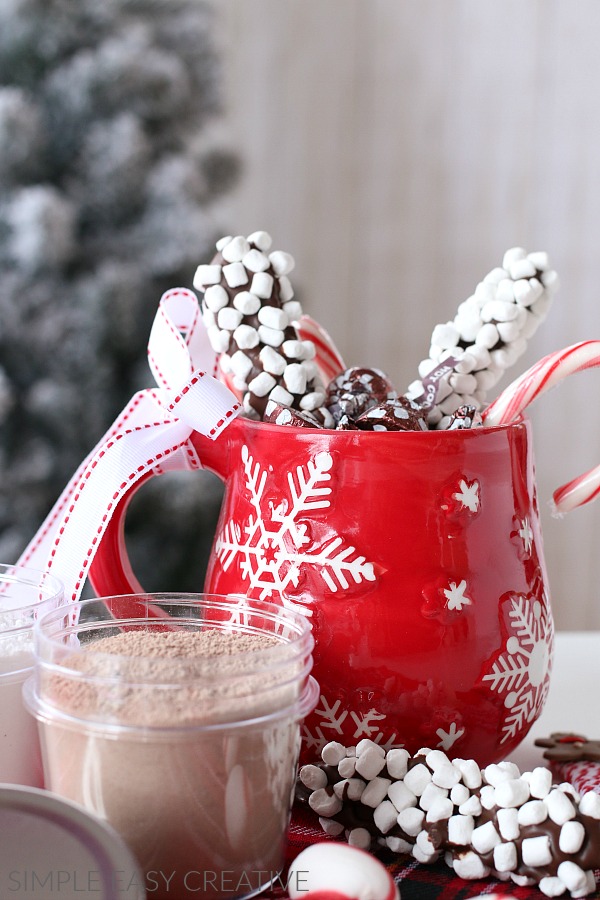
418	557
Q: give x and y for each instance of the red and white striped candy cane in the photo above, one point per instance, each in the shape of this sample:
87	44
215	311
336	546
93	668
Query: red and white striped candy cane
328	357
548	372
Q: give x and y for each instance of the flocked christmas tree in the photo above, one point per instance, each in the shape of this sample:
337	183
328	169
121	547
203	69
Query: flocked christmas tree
109	170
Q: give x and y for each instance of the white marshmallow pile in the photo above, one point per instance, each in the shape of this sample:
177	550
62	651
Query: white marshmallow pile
248	310
492	821
488	334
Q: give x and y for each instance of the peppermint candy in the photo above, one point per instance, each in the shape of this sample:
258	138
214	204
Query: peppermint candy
488	334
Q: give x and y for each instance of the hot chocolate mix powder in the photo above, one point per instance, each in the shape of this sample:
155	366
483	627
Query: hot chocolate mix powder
203	809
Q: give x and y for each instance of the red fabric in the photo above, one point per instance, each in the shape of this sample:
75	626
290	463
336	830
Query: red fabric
416	882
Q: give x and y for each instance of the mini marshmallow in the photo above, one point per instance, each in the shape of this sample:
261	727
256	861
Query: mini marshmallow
487	796
282	262
209	319
247	303
272	361
219	340
540	782
445	335
552	886
401	795
425	843
398	845
313	400
255	261
417	779
470	771
485	838
246	337
271	336
572	876
370	762
331	827
571	837
260	239
360	838
522	268
206	274
459	794
460	830
229	318
505	857
589	804
235	274
508	823
534	812
432	793
216	297
294	377
347	767
333	753
235	249
441	808
488	336
471	807
513	792
560	808
240	364
495	276
385	816
273	317
396	761
281	396
367	744
536	851
286	291
352	788
375	791
513	255
324	803
422	856
411	820
313	777
470	866
293	349
222	242
262	285
261	384
294	309
539	259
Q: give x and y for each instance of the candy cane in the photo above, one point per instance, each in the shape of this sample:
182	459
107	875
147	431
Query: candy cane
542	376
328	358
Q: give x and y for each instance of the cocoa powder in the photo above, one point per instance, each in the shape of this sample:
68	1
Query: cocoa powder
201	805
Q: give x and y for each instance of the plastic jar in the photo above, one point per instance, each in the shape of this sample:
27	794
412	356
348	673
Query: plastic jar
191	757
24	594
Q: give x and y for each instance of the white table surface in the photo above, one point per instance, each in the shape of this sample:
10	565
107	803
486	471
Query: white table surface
573	702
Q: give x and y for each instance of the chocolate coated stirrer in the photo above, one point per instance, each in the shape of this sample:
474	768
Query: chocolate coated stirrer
488	334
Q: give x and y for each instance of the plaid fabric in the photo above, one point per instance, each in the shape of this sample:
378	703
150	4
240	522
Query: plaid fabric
416	882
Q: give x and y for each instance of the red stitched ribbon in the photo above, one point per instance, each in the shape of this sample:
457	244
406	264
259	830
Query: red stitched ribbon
151	434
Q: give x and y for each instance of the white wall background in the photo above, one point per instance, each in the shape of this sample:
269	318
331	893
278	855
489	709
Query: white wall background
397	148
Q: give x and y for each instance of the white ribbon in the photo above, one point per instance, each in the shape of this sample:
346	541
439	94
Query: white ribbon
151	434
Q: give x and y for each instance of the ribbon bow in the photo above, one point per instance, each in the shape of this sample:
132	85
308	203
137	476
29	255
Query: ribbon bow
151	434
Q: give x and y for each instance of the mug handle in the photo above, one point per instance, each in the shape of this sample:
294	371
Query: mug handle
111	574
